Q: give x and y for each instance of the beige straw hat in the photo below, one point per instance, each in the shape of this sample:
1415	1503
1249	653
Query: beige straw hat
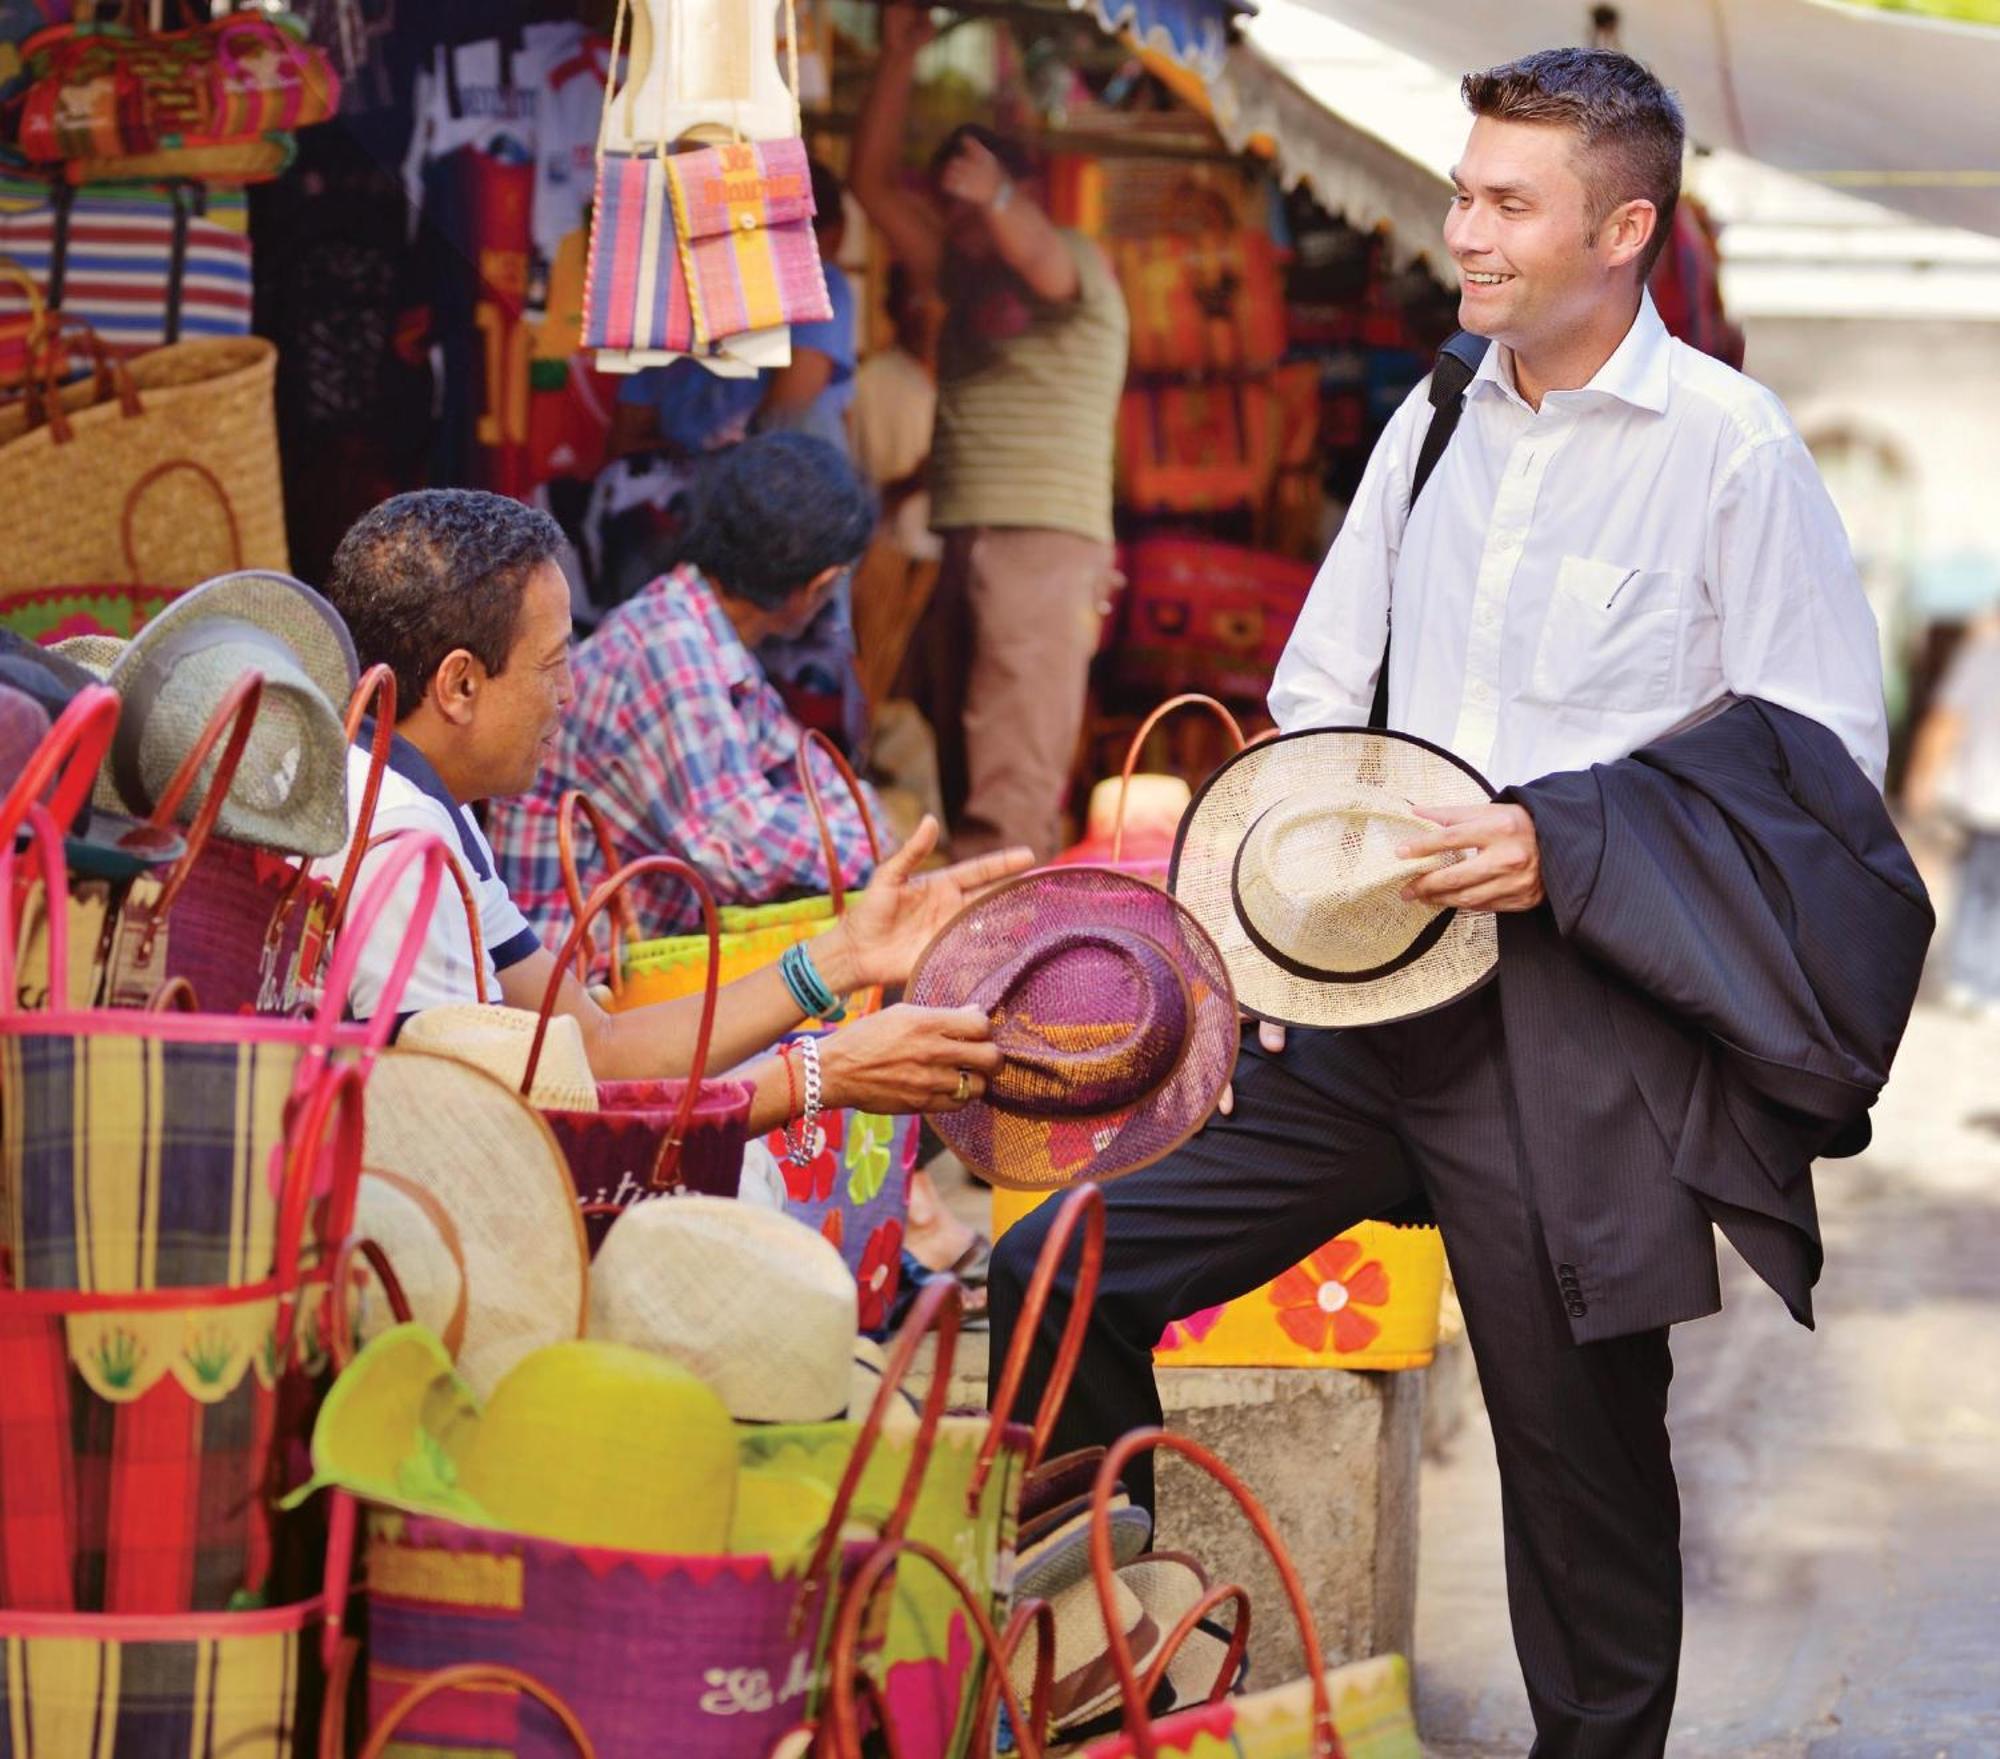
757	1304
498	1040
290	793
490	1164
1288	858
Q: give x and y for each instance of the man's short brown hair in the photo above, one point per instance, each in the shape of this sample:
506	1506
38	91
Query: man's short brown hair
1630	126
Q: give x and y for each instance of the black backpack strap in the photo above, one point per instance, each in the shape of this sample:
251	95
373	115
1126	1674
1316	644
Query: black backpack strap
1457	361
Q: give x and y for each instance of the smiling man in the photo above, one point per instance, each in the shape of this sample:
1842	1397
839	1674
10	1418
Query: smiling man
1622	538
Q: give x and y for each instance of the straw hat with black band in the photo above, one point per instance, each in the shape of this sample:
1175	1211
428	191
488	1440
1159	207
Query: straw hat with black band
1288	858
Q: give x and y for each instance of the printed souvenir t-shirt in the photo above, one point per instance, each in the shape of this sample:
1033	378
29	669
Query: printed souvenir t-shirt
1028	405
414	799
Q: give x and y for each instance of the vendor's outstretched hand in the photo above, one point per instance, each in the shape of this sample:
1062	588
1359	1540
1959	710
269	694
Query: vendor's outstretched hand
889	924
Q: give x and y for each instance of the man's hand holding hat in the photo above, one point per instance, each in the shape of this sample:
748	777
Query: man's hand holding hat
1503	870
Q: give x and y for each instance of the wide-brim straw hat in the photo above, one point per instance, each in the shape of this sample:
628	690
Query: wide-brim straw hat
1114	1011
587	1443
1288	859
757	1304
489	1164
292	787
498	1039
289	793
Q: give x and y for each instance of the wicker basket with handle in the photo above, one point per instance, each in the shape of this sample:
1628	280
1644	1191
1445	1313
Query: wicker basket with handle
70	458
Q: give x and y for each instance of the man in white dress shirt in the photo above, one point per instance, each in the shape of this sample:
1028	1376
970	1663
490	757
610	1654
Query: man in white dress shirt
1622	537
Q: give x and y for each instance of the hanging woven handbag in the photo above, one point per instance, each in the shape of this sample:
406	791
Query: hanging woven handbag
104	95
1361	1711
689	250
753	935
149	1432
71	456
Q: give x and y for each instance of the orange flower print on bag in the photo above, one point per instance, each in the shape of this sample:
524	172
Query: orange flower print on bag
1319	1301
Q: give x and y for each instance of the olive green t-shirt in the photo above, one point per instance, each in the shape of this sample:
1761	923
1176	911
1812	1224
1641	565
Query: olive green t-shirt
1028	405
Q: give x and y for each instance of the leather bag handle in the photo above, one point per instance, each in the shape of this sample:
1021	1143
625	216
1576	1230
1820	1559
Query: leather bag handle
1137	749
1139	1729
1226	1594
1082	1208
235	714
137	492
475	1673
409	849
938	1308
848	1680
624	926
666	1169
814	740
71	753
376	690
175	996
474	932
45	846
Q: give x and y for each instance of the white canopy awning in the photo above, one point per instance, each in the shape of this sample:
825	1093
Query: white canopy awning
1371	130
1892	106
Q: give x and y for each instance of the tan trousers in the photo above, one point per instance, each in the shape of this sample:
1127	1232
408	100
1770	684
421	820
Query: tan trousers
1002	662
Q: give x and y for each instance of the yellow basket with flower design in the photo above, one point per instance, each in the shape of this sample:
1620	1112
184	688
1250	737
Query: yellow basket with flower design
1368	1298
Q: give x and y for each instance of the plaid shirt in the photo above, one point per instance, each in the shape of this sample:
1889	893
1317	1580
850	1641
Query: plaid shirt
682	742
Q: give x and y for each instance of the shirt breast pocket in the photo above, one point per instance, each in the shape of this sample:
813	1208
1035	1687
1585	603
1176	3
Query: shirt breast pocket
1611	636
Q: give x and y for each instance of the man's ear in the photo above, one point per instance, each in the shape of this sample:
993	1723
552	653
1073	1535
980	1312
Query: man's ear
1627	230
456	684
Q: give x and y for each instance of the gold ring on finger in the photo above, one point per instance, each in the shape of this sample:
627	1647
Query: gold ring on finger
964	1088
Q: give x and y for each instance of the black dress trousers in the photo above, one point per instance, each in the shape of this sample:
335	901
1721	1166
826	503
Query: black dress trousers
1347	1125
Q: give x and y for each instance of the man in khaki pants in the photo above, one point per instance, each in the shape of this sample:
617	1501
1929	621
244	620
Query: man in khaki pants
1030	367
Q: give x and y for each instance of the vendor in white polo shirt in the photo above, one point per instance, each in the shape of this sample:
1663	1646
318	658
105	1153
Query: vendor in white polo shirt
459	593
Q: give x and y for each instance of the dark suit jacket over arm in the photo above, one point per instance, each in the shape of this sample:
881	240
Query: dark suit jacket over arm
1710	1001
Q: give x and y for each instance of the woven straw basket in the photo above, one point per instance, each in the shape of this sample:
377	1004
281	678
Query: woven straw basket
65	482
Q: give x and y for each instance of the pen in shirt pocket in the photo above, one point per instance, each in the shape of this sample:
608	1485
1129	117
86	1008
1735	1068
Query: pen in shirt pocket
1631	574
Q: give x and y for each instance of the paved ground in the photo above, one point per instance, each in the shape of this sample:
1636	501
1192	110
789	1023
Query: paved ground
1841	1490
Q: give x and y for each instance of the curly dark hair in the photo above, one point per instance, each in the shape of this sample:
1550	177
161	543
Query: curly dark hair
427	573
778	512
1631	127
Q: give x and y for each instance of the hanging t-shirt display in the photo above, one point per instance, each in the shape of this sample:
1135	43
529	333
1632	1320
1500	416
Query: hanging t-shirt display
500	165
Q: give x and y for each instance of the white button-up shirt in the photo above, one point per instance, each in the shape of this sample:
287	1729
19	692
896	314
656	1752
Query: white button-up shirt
1578	581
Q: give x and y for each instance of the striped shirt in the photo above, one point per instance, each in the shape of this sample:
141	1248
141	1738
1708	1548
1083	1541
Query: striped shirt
1028	406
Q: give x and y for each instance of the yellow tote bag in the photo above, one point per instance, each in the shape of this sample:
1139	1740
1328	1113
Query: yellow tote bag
1366	1299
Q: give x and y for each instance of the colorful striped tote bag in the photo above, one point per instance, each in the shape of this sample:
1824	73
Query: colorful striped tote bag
146	1437
141	1150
